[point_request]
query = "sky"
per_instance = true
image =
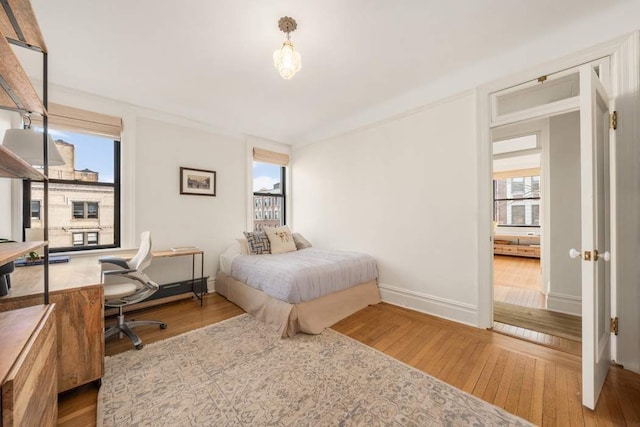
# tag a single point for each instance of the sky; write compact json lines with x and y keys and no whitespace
{"x":92,"y":152}
{"x":265,"y":175}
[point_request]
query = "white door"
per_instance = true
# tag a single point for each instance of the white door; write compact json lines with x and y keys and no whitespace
{"x":594,"y":157}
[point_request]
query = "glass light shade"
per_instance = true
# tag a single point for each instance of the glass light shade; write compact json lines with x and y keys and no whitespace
{"x":287,"y":60}
{"x":27,"y":144}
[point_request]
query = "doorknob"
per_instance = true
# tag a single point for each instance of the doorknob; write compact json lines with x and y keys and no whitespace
{"x":574,"y":254}
{"x":606,"y":256}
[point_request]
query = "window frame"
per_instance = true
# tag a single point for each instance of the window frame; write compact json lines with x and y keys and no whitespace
{"x":282,"y":195}
{"x":85,"y":238}
{"x":85,"y":209}
{"x":516,"y":199}
{"x":39,"y":217}
{"x":116,"y":184}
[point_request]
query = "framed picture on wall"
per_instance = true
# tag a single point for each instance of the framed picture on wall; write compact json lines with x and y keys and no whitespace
{"x":197,"y":182}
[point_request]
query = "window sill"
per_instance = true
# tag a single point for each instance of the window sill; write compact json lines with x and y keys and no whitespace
{"x":92,"y":252}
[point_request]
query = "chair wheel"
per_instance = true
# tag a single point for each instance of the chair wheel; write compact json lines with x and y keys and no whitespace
{"x":163,"y":326}
{"x":139,"y":346}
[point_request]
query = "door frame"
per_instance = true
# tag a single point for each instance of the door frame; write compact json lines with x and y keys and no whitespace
{"x":624,"y":57}
{"x":540,"y":128}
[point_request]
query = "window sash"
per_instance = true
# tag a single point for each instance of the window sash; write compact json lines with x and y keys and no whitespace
{"x":35,"y":209}
{"x":78,"y":210}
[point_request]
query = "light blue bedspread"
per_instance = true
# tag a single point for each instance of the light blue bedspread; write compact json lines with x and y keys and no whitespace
{"x":304,"y":275}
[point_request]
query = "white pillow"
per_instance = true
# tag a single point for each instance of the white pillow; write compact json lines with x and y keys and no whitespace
{"x":244,"y":246}
{"x":280,"y":239}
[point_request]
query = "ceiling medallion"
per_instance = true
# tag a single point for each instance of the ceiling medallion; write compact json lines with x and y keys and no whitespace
{"x":286,"y":59}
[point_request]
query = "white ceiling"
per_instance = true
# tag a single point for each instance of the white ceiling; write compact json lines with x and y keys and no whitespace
{"x":212,"y":60}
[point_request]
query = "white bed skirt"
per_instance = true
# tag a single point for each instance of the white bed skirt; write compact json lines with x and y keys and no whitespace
{"x":310,"y":317}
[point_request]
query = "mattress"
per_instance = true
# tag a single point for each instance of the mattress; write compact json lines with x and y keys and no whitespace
{"x":303,"y":275}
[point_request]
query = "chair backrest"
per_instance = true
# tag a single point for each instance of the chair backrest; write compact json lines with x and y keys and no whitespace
{"x":142,"y":259}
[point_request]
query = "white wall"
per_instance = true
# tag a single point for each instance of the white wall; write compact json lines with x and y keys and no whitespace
{"x":154,"y":146}
{"x":565,"y":286}
{"x":404,"y":191}
{"x":210,"y":223}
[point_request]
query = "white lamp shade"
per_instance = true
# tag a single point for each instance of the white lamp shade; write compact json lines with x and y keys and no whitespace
{"x":286,"y":60}
{"x":27,"y":144}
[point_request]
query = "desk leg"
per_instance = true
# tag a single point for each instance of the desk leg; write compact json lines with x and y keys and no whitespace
{"x":193,"y":277}
{"x":202,"y":285}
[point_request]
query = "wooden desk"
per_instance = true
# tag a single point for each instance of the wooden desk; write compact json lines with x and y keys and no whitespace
{"x":185,"y":252}
{"x":11,"y":251}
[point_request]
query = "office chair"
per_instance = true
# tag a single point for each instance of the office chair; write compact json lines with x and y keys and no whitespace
{"x":5,"y":278}
{"x":125,"y":293}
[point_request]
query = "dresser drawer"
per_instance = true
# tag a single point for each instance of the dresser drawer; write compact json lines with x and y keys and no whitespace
{"x":30,"y":392}
{"x":509,"y":249}
{"x":527,"y":250}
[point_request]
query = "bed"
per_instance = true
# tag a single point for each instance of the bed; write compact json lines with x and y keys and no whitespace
{"x":306,"y":290}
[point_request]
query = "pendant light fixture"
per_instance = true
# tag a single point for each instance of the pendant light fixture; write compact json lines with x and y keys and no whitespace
{"x":28,"y":144}
{"x":286,"y":59}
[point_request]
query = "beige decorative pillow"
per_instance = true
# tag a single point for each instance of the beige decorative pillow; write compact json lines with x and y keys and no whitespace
{"x":280,"y":239}
{"x":301,"y":242}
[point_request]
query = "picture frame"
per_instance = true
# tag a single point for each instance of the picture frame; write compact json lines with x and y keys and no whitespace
{"x":197,"y":182}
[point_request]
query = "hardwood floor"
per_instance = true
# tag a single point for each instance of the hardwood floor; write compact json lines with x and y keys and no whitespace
{"x":518,"y":296}
{"x":517,"y":281}
{"x":539,"y":384}
{"x":516,"y":271}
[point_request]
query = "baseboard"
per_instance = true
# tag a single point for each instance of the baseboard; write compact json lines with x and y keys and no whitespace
{"x":429,"y":304}
{"x":563,"y":303}
{"x":211,"y":284}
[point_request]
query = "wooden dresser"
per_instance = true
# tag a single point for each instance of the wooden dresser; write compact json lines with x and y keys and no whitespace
{"x":28,"y":367}
{"x":524,"y":245}
{"x":80,"y":326}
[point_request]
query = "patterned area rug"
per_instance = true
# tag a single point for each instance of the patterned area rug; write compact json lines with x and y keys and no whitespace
{"x":240,"y":372}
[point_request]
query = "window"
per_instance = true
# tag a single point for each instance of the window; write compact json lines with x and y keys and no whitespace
{"x":92,"y":238}
{"x":518,"y":215}
{"x":516,"y":201}
{"x":89,"y":238}
{"x":268,"y":194}
{"x":78,"y":239}
{"x":535,"y":214}
{"x":84,"y":193}
{"x":517,"y":187}
{"x":35,"y":209}
{"x":85,"y":210}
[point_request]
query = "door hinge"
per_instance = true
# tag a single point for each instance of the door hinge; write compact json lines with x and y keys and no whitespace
{"x":542,"y":79}
{"x":614,"y":325}
{"x":614,"y":120}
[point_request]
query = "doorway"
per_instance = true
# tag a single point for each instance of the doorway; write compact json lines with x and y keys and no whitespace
{"x":596,"y":169}
{"x":536,"y":172}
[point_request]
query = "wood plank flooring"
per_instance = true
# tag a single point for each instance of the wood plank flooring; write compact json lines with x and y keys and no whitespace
{"x":516,"y":271}
{"x":517,"y":281}
{"x":539,"y":384}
